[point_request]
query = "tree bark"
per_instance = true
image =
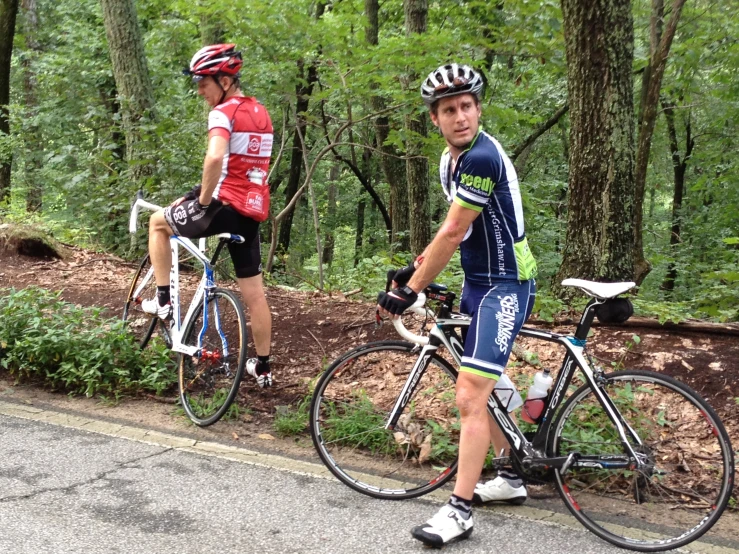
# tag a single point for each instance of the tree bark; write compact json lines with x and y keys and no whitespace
{"x":599,"y":45}
{"x":679,"y":166}
{"x":303,"y":91}
{"x":133,"y":83}
{"x":329,"y":240}
{"x":651,"y":85}
{"x":8,"y":13}
{"x":393,"y":167}
{"x":417,"y":165}
{"x":34,"y":143}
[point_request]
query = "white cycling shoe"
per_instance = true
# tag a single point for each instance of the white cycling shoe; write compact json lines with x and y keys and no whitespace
{"x":499,"y":490}
{"x":446,"y":526}
{"x":263,"y":380}
{"x":153,"y":308}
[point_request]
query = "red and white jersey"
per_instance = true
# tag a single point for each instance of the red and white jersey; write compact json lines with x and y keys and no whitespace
{"x":247,"y":125}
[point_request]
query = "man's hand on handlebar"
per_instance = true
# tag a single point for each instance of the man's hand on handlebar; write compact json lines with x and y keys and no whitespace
{"x":396,"y":301}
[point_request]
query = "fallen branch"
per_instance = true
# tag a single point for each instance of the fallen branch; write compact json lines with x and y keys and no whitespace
{"x":319,"y":342}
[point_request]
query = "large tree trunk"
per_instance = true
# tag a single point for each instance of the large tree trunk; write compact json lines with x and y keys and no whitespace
{"x":393,"y":167}
{"x":417,"y":165}
{"x":34,"y":151}
{"x":599,"y":42}
{"x":651,"y":84}
{"x":8,"y":12}
{"x":133,"y":83}
{"x":679,"y":167}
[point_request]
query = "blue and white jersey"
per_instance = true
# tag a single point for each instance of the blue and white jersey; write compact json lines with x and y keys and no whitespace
{"x":484,"y":180}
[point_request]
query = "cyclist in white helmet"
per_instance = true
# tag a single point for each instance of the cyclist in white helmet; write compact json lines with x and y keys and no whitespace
{"x":485,"y":220}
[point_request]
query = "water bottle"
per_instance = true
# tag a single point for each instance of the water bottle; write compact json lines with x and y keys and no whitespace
{"x":507,"y":392}
{"x":535,"y":399}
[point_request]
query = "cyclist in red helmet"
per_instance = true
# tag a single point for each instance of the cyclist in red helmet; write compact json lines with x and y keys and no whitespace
{"x":233,"y":196}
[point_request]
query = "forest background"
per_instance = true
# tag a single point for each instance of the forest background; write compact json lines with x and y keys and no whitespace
{"x":620,"y":117}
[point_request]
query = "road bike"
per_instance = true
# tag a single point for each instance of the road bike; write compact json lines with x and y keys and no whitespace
{"x":638,"y":458}
{"x":211,"y":339}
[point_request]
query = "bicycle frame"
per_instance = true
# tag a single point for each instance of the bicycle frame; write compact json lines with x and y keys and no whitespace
{"x":207,"y":283}
{"x":532,"y":454}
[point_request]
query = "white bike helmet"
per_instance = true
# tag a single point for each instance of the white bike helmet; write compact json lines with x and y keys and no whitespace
{"x":450,"y":80}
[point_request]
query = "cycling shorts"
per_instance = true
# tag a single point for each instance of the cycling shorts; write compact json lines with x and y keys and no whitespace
{"x":186,"y":219}
{"x":498,"y":313}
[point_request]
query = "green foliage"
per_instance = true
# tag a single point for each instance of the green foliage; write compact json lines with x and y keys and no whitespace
{"x":357,"y":424}
{"x":206,"y":405}
{"x":292,"y":421}
{"x":74,"y":349}
{"x":69,"y":134}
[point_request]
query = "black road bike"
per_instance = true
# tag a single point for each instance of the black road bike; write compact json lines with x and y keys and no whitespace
{"x":638,"y":458}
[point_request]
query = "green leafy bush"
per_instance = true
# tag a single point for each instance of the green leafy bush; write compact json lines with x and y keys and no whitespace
{"x":76,"y":349}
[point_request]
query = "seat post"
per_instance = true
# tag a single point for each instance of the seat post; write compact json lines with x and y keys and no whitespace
{"x":586,"y":320}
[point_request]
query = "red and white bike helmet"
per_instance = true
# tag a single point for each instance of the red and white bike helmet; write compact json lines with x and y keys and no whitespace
{"x":215,"y":59}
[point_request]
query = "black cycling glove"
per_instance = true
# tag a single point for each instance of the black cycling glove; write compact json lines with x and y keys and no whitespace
{"x":193,"y":193}
{"x":404,"y":274}
{"x":397,"y":300}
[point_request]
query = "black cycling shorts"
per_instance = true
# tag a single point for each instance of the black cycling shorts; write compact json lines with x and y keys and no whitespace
{"x":188,"y":220}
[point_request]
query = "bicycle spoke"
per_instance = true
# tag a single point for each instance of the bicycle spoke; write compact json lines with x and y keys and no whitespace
{"x":681,"y":485}
{"x":209,"y":382}
{"x":352,"y":404}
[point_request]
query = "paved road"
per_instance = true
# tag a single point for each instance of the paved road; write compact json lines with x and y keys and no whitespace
{"x":69,"y":484}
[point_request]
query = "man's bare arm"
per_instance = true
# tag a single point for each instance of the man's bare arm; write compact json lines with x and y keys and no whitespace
{"x":212,"y":167}
{"x":437,"y":255}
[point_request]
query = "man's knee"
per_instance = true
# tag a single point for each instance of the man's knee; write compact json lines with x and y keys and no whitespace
{"x":158,"y":223}
{"x":472,"y":394}
{"x":252,"y":289}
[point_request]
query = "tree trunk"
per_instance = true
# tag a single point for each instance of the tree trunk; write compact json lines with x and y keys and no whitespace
{"x":303,"y":91}
{"x":679,"y":167}
{"x":417,"y":165}
{"x":328,"y":241}
{"x":133,"y":83}
{"x":392,"y":166}
{"x":8,"y":12}
{"x":599,"y":45}
{"x":651,"y":84}
{"x":34,"y":151}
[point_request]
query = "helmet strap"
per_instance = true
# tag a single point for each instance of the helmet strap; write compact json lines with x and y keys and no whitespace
{"x":224,"y":91}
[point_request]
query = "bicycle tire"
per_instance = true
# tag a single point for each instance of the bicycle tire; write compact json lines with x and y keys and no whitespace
{"x":209,"y":384}
{"x":140,"y":324}
{"x":352,"y":401}
{"x":685,"y":443}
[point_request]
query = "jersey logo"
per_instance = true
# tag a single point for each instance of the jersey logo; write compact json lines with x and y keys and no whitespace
{"x":255,"y":144}
{"x":484,"y":185}
{"x":254,"y":201}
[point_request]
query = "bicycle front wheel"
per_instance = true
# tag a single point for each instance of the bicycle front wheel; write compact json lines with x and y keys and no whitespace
{"x":209,"y":381}
{"x":349,"y":418}
{"x":140,"y":324}
{"x":684,"y":482}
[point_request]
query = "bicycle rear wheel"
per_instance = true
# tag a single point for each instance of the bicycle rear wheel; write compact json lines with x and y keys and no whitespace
{"x":350,"y":408}
{"x":141,"y":325}
{"x":210,"y":381}
{"x":685,"y":482}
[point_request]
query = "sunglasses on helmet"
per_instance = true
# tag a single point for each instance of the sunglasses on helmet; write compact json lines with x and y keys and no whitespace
{"x":457,"y":82}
